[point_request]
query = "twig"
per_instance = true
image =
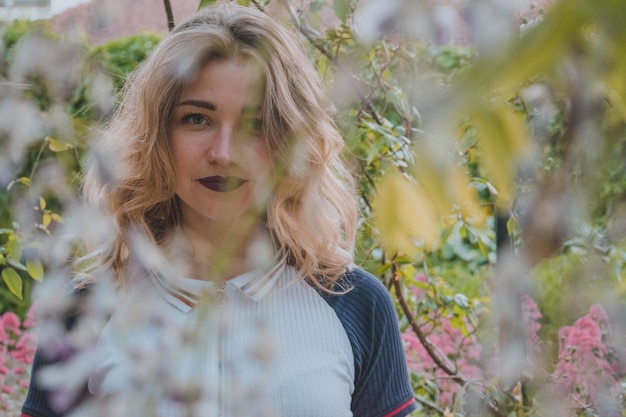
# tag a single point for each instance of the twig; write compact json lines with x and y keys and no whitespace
{"x":258,"y":6}
{"x":429,"y":404}
{"x":306,"y":32}
{"x":170,"y":15}
{"x":442,"y":363}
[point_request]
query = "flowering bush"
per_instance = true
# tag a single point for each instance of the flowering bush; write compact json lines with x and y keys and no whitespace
{"x":587,"y":368}
{"x":458,"y":345}
{"x":17,"y":349}
{"x":588,"y":374}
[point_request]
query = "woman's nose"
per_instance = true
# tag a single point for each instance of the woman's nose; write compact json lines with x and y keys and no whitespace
{"x":221,"y":147}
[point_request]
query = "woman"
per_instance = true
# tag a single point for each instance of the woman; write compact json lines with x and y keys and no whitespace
{"x":231,"y":170}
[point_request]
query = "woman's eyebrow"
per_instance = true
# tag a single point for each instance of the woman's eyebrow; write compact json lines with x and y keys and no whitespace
{"x":198,"y":103}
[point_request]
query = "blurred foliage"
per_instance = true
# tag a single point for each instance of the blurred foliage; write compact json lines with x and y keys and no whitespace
{"x":515,"y":145}
{"x":19,"y":243}
{"x":121,"y":56}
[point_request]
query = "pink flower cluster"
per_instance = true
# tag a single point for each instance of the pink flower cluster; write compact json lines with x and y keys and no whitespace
{"x":588,"y":371}
{"x":587,"y":366}
{"x":463,"y":351}
{"x":17,"y":349}
{"x":531,"y":318}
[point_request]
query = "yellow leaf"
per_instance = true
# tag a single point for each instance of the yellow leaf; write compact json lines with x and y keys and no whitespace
{"x":405,"y":215}
{"x":616,"y":85}
{"x":22,"y":180}
{"x":46,"y":219}
{"x":465,"y":196}
{"x":517,"y":393}
{"x":56,"y":217}
{"x":13,"y":281}
{"x":430,"y":170}
{"x":538,"y":50}
{"x":447,"y":184}
{"x":502,"y":140}
{"x":42,"y":203}
{"x":35,"y":269}
{"x":57,"y":145}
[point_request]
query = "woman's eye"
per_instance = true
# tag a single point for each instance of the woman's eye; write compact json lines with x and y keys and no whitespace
{"x":194,"y":119}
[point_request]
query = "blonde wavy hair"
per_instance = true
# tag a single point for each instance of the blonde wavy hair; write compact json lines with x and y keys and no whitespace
{"x":312,"y":213}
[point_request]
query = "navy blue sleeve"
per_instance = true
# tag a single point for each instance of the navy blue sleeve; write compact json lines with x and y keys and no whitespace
{"x":38,"y":399}
{"x":36,"y":404}
{"x":381,"y":381}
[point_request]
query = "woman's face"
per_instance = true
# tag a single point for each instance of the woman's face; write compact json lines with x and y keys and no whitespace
{"x":221,"y":161}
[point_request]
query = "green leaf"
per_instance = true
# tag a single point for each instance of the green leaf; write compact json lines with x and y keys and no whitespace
{"x":14,"y":249}
{"x":16,"y":265}
{"x":458,"y":323}
{"x":12,"y":279}
{"x":205,"y":3}
{"x":342,"y":9}
{"x":383,"y":268}
{"x":511,"y":226}
{"x":375,"y":150}
{"x":461,"y":301}
{"x":315,"y":6}
{"x":35,"y":269}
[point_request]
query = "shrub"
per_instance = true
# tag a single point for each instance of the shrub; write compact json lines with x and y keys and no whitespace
{"x":17,"y":348}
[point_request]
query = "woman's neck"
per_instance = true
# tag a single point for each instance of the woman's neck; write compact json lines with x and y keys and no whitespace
{"x":218,"y":251}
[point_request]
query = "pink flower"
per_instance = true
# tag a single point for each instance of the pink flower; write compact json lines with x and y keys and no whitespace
{"x":7,"y":389}
{"x":11,"y":323}
{"x":29,"y":321}
{"x":462,"y":350}
{"x":586,"y":366}
{"x":531,"y":318}
{"x":17,"y":349}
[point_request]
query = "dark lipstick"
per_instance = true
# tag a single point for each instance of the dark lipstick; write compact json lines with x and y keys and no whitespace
{"x":222,"y":184}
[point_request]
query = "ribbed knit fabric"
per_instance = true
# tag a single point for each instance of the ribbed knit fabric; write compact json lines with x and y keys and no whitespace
{"x":369,"y":319}
{"x":37,"y":399}
{"x":287,"y":352}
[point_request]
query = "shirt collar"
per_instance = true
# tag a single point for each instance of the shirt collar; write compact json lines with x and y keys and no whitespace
{"x":184,"y":293}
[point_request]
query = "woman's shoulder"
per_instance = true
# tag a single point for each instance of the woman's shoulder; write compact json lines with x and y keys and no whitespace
{"x":357,"y":283}
{"x":358,"y":293}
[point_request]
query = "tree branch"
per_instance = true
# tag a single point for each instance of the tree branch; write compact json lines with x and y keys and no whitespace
{"x":170,"y":15}
{"x":306,"y":32}
{"x":442,"y":363}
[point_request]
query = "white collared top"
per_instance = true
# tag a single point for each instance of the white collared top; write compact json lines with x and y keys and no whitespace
{"x":267,"y":344}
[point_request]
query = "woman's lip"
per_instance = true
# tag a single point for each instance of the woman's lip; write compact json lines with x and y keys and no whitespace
{"x":222,"y":184}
